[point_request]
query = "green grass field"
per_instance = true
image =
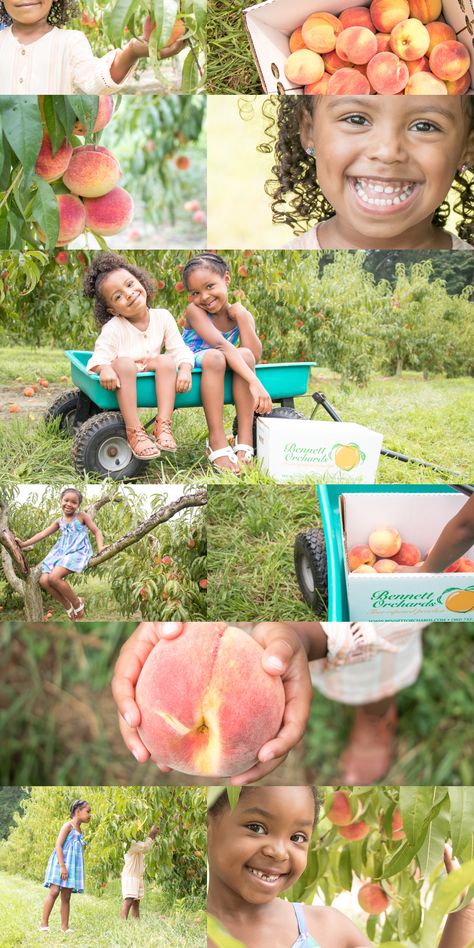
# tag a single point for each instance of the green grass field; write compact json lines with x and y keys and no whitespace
{"x":95,"y":921}
{"x":230,"y":67}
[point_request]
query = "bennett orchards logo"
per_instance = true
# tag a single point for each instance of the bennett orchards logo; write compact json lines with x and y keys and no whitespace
{"x":346,"y":456}
{"x":453,"y":599}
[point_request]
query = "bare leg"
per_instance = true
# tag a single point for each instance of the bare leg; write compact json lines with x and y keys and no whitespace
{"x":65,"y":906}
{"x":212,"y":397}
{"x":165,"y":382}
{"x":127,"y":393}
{"x":48,"y":904}
{"x":244,"y":404}
{"x":59,"y":584}
{"x":52,"y":591}
{"x":135,"y":910}
{"x":126,"y":905}
{"x":368,"y":754}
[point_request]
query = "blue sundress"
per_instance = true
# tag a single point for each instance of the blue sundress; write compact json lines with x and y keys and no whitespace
{"x":198,"y":346}
{"x":74,"y":861}
{"x":73,"y":550}
{"x":305,"y":938}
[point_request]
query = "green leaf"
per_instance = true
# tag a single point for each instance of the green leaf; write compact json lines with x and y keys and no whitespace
{"x":444,"y":900}
{"x":116,"y":19}
{"x":45,"y":212}
{"x":190,"y":74}
{"x":85,"y":107}
{"x":462,"y":821}
{"x":23,"y":129}
{"x":165,"y":14}
{"x":431,"y":853}
{"x":7,"y":159}
{"x":220,"y":936}
{"x":345,"y":869}
{"x":233,"y":794}
{"x":415,"y":805}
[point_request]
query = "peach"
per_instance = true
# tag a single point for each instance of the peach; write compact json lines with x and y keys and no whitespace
{"x":364,"y":569}
{"x":397,"y":825}
{"x":357,"y":16}
{"x":177,"y":32}
{"x":387,"y":13}
{"x":459,"y":86}
{"x":385,"y":541}
{"x":49,"y":166}
{"x":92,"y":172}
{"x":387,"y":74}
{"x":109,"y":214}
{"x":360,"y":556}
{"x":304,"y":66}
{"x":357,"y":44}
{"x":207,"y":706}
{"x":355,"y":831}
{"x":425,"y":10}
{"x":408,"y":555}
{"x":385,"y":566}
{"x":424,"y":83}
{"x":439,"y":33}
{"x":340,"y":812}
{"x":418,"y":65}
{"x":383,"y":42}
{"x":463,"y":565}
{"x":296,"y":40}
{"x":409,"y":39}
{"x":318,"y":88}
{"x":332,"y":62}
{"x":373,"y":899}
{"x":320,"y":31}
{"x":104,"y":114}
{"x":72,"y":219}
{"x":348,"y":82}
{"x":449,"y":60}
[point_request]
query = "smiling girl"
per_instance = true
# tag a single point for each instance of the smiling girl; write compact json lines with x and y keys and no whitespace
{"x":374,"y":172}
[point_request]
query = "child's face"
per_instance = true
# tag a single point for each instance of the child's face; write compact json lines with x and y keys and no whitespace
{"x":208,"y":289}
{"x":123,"y":294}
{"x":70,"y":502}
{"x":385,"y":163}
{"x":260,"y":849}
{"x":84,"y":814}
{"x":27,"y":12}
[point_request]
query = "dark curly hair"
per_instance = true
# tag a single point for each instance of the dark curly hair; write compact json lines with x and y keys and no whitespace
{"x":211,"y":261}
{"x":222,"y":801}
{"x":297,"y":199}
{"x":104,"y":263}
{"x":60,"y":13}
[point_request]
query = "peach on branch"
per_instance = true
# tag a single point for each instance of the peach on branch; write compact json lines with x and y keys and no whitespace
{"x":409,"y":39}
{"x":408,"y":555}
{"x":387,"y":74}
{"x":425,"y":10}
{"x":357,"y":16}
{"x":386,"y":14}
{"x":356,"y":44}
{"x":449,"y":60}
{"x":207,"y":705}
{"x":72,"y":219}
{"x":304,"y":66}
{"x":109,"y":214}
{"x":397,"y":825}
{"x":49,"y":166}
{"x":104,"y":114}
{"x":320,"y":31}
{"x":348,"y":82}
{"x":355,"y":831}
{"x":360,"y":556}
{"x":92,"y":172}
{"x":340,"y":812}
{"x":424,"y":83}
{"x":385,"y":541}
{"x":373,"y":899}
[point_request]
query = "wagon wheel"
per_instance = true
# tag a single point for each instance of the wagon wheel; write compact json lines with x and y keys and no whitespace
{"x":101,"y":445}
{"x":64,"y":407}
{"x":9,"y":542}
{"x":279,"y":412}
{"x":311,"y":567}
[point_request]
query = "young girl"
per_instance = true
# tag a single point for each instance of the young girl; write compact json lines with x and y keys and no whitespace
{"x":39,"y":58}
{"x":133,"y":872}
{"x":71,"y":553}
{"x":65,"y":869}
{"x":259,"y":850}
{"x":373,"y":172}
{"x":131,"y":341}
{"x":214,"y":328}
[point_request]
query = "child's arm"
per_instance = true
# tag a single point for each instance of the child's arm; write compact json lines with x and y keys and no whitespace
{"x":456,"y":537}
{"x":459,"y":928}
{"x":137,"y":49}
{"x":63,"y":834}
{"x":246,"y":324}
{"x":89,"y":523}
{"x":38,"y":536}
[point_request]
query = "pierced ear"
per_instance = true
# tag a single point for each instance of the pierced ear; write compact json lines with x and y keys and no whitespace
{"x":306,"y":132}
{"x":467,"y":157}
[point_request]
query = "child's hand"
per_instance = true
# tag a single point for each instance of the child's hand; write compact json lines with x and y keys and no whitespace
{"x":21,"y":543}
{"x":262,"y":401}
{"x":284,"y":655}
{"x":138,"y":46}
{"x":130,"y":662}
{"x":184,"y":378}
{"x":109,"y":378}
{"x":63,"y":873}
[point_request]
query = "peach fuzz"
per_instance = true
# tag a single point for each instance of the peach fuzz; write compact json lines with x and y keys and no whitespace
{"x":332,"y":62}
{"x":207,"y":706}
{"x":408,"y":555}
{"x":387,"y":13}
{"x":110,"y":213}
{"x":296,"y":40}
{"x":424,"y":83}
{"x":348,"y":82}
{"x":360,"y":556}
{"x":426,"y":10}
{"x":104,"y":114}
{"x":304,"y":66}
{"x":49,"y":166}
{"x":459,"y":86}
{"x":356,"y":45}
{"x":439,"y":33}
{"x":320,"y":31}
{"x":318,"y":88}
{"x":92,"y":171}
{"x":385,"y":541}
{"x":387,"y":74}
{"x":418,"y":65}
{"x":449,"y":60}
{"x":357,"y":16}
{"x":409,"y":39}
{"x":340,"y":812}
{"x":355,"y":831}
{"x":383,"y":42}
{"x":385,"y":566}
{"x":373,"y":899}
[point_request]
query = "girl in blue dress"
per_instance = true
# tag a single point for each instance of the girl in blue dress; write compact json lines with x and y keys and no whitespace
{"x":213,"y":330}
{"x":65,"y":869}
{"x":71,"y":553}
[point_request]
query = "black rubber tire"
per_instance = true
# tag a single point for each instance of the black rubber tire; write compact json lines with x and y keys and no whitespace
{"x":311,"y":567}
{"x":64,"y":407}
{"x":97,"y":436}
{"x":279,"y":411}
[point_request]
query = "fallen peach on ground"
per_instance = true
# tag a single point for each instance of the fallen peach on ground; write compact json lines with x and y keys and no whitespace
{"x":207,"y":704}
{"x":304,"y":66}
{"x":385,"y":541}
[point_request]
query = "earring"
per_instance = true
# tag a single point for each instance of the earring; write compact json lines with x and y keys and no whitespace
{"x":463,"y":168}
{"x":310,"y":151}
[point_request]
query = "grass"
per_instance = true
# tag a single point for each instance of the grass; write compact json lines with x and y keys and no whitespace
{"x":231,"y":67}
{"x":96,"y":921}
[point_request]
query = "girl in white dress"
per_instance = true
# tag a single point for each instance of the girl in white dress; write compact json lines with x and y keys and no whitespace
{"x":133,"y":872}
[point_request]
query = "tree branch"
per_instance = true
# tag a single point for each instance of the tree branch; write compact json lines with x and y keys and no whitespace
{"x":15,"y":582}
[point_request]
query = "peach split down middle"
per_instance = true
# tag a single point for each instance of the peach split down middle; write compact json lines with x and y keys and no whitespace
{"x":207,"y":705}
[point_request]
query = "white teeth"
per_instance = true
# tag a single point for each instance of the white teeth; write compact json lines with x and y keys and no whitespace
{"x":263,"y":875}
{"x":402,"y":193}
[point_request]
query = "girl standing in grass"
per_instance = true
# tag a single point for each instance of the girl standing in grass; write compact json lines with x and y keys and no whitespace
{"x":65,"y":869}
{"x":133,"y":873}
{"x":213,"y":331}
{"x":71,"y":553}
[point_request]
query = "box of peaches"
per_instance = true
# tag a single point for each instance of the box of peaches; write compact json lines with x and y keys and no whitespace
{"x":383,"y":47}
{"x":382,"y":531}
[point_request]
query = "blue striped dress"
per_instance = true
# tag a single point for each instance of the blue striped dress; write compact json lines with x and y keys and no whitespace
{"x":305,"y":938}
{"x":199,"y":347}
{"x":74,"y":861}
{"x":73,"y":550}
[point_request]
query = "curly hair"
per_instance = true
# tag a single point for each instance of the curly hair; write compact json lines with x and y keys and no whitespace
{"x":107,"y":262}
{"x":297,"y":199}
{"x":59,"y":15}
{"x":210,"y":261}
{"x":222,"y":801}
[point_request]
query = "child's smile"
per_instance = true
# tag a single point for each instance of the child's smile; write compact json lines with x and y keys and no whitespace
{"x":208,"y":290}
{"x":124,"y":295}
{"x":28,"y":13}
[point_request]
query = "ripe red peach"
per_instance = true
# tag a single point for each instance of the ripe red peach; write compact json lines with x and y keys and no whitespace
{"x":373,"y":899}
{"x":348,"y":82}
{"x":332,"y":62}
{"x":385,"y":541}
{"x":72,"y":219}
{"x":409,"y":39}
{"x":439,"y":33}
{"x":357,"y":16}
{"x":92,"y":172}
{"x":385,"y":566}
{"x":418,"y":65}
{"x":425,"y":10}
{"x":383,"y":42}
{"x":304,"y":66}
{"x":357,"y":44}
{"x":49,"y":166}
{"x":104,"y":114}
{"x":424,"y":83}
{"x":408,"y":555}
{"x":296,"y":40}
{"x":463,"y":565}
{"x":110,"y":213}
{"x":355,"y":831}
{"x":207,"y":705}
{"x":340,"y":812}
{"x":387,"y":74}
{"x":364,"y":569}
{"x":360,"y":556}
{"x":449,"y":60}
{"x":387,"y":13}
{"x":397,"y":825}
{"x":318,"y":88}
{"x":459,"y":86}
{"x":320,"y":31}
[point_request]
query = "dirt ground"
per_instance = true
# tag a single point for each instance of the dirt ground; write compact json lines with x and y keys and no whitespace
{"x":31,"y":407}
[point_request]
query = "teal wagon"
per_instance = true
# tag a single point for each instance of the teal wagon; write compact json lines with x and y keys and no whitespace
{"x":91,"y":412}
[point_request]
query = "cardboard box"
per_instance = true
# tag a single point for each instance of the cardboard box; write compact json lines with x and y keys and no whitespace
{"x":270,"y":24}
{"x":294,"y":449}
{"x":420,"y":597}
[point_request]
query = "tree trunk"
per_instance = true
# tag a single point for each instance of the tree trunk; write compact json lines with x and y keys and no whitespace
{"x":399,"y":369}
{"x":33,"y":599}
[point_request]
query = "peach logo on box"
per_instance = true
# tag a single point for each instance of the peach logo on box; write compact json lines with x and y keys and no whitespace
{"x":346,"y":456}
{"x":453,"y":599}
{"x":458,"y":600}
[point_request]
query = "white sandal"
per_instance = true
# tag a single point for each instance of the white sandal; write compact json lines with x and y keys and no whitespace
{"x":247,"y":451}
{"x":213,"y":456}
{"x":79,"y":612}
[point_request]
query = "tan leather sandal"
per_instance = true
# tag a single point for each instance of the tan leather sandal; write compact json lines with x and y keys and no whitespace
{"x":140,"y":444}
{"x":163,"y":434}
